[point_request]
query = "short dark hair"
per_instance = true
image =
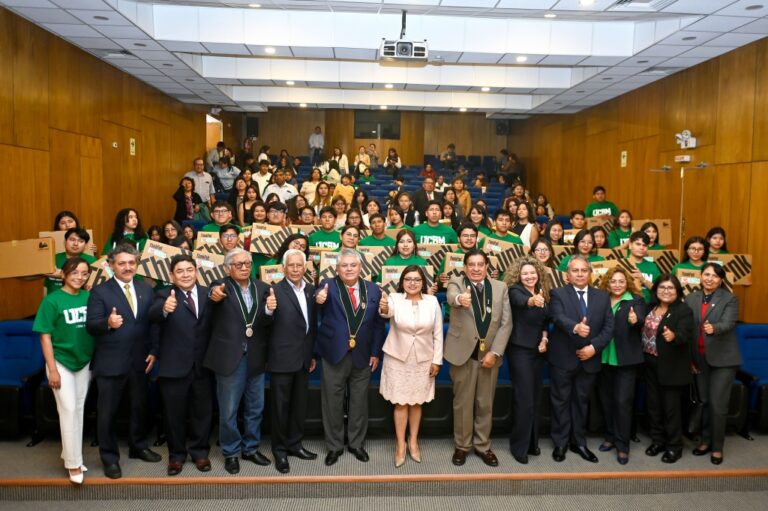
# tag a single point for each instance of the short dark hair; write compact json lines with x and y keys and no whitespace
{"x":122,"y":248}
{"x":181,"y":258}
{"x":718,"y":269}
{"x":222,"y":204}
{"x":598,"y":188}
{"x":640,"y":235}
{"x":580,"y":236}
{"x":467,"y":225}
{"x":228,"y":227}
{"x":408,"y":269}
{"x":80,"y":233}
{"x":712,"y":232}
{"x":376,"y":216}
{"x":62,"y":214}
{"x":691,"y":241}
{"x":666,"y":277}
{"x":71,"y":264}
{"x":578,"y":212}
{"x":434,"y":202}
{"x":502,"y":212}
{"x":328,"y":209}
{"x":474,"y":252}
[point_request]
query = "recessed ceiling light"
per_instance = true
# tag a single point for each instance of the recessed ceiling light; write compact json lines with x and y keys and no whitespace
{"x":388,"y":86}
{"x":753,"y":7}
{"x":189,"y":79}
{"x":521,"y":58}
{"x":269,"y":50}
{"x":462,"y":109}
{"x":101,"y":18}
{"x":303,"y":105}
{"x":607,"y":78}
{"x":140,"y":45}
{"x":383,"y":107}
{"x":579,"y":92}
{"x":689,"y":38}
{"x":550,"y":15}
{"x":168,"y":65}
{"x":254,"y":6}
{"x":485,"y":89}
{"x":290,"y":82}
{"x":642,"y":61}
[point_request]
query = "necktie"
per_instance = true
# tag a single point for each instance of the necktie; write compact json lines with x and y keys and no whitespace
{"x":129,"y":297}
{"x":352,"y":297}
{"x":479,"y":287}
{"x":191,"y":303}
{"x":583,"y":304}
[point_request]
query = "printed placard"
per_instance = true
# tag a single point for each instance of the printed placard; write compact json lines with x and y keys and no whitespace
{"x":390,"y":277}
{"x":604,"y":222}
{"x":454,"y":264}
{"x":505,"y":252}
{"x":740,"y":265}
{"x":210,"y":267}
{"x":58,"y":240}
{"x":206,"y":238}
{"x":376,"y":256}
{"x":100,"y":273}
{"x":664,"y":225}
{"x":306,"y":229}
{"x":559,"y":278}
{"x":267,"y":239}
{"x":569,"y":235}
{"x":155,"y":263}
{"x":600,"y":268}
{"x":664,"y":259}
{"x":560,"y":252}
{"x":273,"y":273}
{"x":434,"y":254}
{"x":392,"y":233}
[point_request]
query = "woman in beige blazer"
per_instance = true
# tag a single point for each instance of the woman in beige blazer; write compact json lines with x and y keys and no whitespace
{"x":413,"y":353}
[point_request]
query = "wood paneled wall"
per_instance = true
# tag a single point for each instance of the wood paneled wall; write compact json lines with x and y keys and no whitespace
{"x":472,"y":134}
{"x":724,"y":102}
{"x":61,"y":113}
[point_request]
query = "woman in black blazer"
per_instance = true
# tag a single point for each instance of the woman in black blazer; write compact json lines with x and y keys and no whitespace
{"x":716,"y":355}
{"x":621,"y":358}
{"x":529,"y":297}
{"x":667,"y":332}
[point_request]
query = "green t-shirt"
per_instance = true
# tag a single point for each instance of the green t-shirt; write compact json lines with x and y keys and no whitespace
{"x":397,"y":260}
{"x":618,"y":237}
{"x":564,"y":262}
{"x":52,"y":284}
{"x":372,"y":241}
{"x":128,"y":236}
{"x":214,"y":227}
{"x":484,"y":230}
{"x":366,"y":179}
{"x":510,"y":237}
{"x":600,"y":209}
{"x":325,"y":239}
{"x":62,"y":315}
{"x":651,"y":272}
{"x":656,"y":247}
{"x":257,"y":261}
{"x":609,"y":355}
{"x":437,"y":235}
{"x":685,"y":266}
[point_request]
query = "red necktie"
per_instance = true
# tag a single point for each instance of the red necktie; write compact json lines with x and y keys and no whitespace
{"x":191,"y":302}
{"x":352,"y":297}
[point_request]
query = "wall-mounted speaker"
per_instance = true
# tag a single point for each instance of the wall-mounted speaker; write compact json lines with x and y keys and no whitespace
{"x":502,"y":128}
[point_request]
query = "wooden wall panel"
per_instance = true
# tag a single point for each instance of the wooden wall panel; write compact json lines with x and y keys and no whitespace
{"x":702,"y":97}
{"x":639,"y":113}
{"x":7,"y":47}
{"x":65,"y":171}
{"x":91,"y":100}
{"x":735,"y":105}
{"x":472,"y":133}
{"x":64,"y":94}
{"x":753,"y":304}
{"x":284,"y":128}
{"x":760,"y":134}
{"x":30,"y":87}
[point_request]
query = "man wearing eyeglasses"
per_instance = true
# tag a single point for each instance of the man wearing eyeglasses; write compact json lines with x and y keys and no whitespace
{"x":237,"y":354}
{"x":221,"y":214}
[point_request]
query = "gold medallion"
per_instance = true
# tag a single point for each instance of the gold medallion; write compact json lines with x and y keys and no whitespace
{"x":249,"y":332}
{"x":352,"y":342}
{"x":482,"y":344}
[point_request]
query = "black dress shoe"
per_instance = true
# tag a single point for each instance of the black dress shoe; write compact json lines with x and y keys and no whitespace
{"x":145,"y":455}
{"x":606,"y":446}
{"x":281,"y":464}
{"x":232,"y":465}
{"x":654,"y":449}
{"x":113,"y":471}
{"x":257,"y":458}
{"x":585,"y":453}
{"x":716,"y":461}
{"x":700,"y":452}
{"x":534,"y":451}
{"x":360,"y":453}
{"x":558,"y":454}
{"x":623,"y":460}
{"x":174,"y":468}
{"x":523,"y":460}
{"x":332,"y":457}
{"x":303,"y":454}
{"x":671,"y":456}
{"x":459,"y":457}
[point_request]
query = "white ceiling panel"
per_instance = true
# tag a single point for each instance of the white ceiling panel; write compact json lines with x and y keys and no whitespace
{"x":312,"y":52}
{"x":697,"y":6}
{"x":707,"y":51}
{"x":664,"y":50}
{"x":94,"y":17}
{"x":122,"y":32}
{"x":719,"y":23}
{"x":39,"y":15}
{"x":748,"y":8}
{"x":71,"y":30}
{"x":734,"y":39}
{"x":756,"y":27}
{"x":187,"y":47}
{"x":227,"y":48}
{"x":28,"y":3}
{"x":95,"y":43}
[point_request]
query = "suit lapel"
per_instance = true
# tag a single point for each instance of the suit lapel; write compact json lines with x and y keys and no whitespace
{"x":711,"y":307}
{"x":696,"y":300}
{"x":292,"y":297}
{"x":117,"y":287}
{"x":575,"y":301}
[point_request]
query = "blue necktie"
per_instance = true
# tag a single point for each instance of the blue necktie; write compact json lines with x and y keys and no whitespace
{"x":583,"y":304}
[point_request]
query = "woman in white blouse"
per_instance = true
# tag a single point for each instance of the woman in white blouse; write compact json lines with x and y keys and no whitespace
{"x":309,"y":186}
{"x":413,"y":354}
{"x":342,"y":159}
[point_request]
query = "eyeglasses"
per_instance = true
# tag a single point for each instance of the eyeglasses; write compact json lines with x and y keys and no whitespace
{"x":468,"y":236}
{"x":667,"y":288}
{"x":412,"y":280}
{"x":541,"y":251}
{"x":220,"y":211}
{"x":240,"y":266}
{"x":228,"y":236}
{"x":696,"y":249}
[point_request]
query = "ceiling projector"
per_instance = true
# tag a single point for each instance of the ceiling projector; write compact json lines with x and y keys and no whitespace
{"x":401,"y":49}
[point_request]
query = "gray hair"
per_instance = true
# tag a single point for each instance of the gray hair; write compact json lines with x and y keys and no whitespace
{"x":293,"y":251}
{"x":579,"y":257}
{"x":231,"y":255}
{"x":122,"y":248}
{"x":350,"y":252}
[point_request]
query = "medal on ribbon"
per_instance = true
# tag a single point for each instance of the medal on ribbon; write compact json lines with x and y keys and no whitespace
{"x":354,"y":317}
{"x":249,"y":316}
{"x":481,"y":310}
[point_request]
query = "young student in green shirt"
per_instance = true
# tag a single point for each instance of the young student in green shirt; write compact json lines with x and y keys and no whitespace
{"x":715,"y":239}
{"x":366,"y":177}
{"x":405,"y":251}
{"x":584,"y":245}
{"x":646,"y":272}
{"x":695,"y":255}
{"x":578,"y":219}
{"x":432,"y":232}
{"x":377,"y":238}
{"x":67,"y":350}
{"x":221,"y":214}
{"x":75,"y":242}
{"x":327,"y":236}
{"x":503,"y":222}
{"x":619,"y":237}
{"x":127,"y":227}
{"x":600,"y":207}
{"x":652,"y":230}
{"x":468,"y":234}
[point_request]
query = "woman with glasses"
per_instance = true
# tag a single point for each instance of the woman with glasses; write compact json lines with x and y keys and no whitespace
{"x":584,"y":244}
{"x":413,"y":353}
{"x":695,"y":254}
{"x":667,"y":333}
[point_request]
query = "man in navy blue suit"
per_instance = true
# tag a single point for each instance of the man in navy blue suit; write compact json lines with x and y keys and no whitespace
{"x":349,"y":342}
{"x":118,"y":319}
{"x":584,"y":326}
{"x":183,"y":315}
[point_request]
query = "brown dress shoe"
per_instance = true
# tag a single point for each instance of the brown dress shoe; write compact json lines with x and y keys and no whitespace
{"x":203,"y":464}
{"x":174,"y":468}
{"x":459,"y":457}
{"x":488,"y":458}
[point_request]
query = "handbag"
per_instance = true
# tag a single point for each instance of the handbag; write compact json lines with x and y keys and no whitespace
{"x":696,"y":409}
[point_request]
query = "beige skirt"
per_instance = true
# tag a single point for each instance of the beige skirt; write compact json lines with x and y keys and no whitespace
{"x":406,"y":383}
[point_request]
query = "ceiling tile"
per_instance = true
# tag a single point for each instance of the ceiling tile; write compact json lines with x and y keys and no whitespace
{"x":310,"y":52}
{"x":511,"y":58}
{"x":740,"y":9}
{"x":95,"y":43}
{"x":662,"y":50}
{"x":683,"y":62}
{"x":122,"y":32}
{"x":40,"y":15}
{"x":139,"y":44}
{"x":71,"y":30}
{"x":707,"y":51}
{"x":756,"y":27}
{"x":186,"y":47}
{"x":685,"y":37}
{"x":28,"y":3}
{"x":354,"y":53}
{"x":227,"y":48}
{"x":562,"y":60}
{"x":97,"y":5}
{"x":696,"y":6}
{"x":92,"y":17}
{"x":719,"y":23}
{"x":734,"y":39}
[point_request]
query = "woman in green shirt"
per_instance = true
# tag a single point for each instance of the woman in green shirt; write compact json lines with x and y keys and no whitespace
{"x":67,"y":348}
{"x":652,"y":230}
{"x":405,"y":254}
{"x":619,"y":237}
{"x":696,"y":253}
{"x":621,"y":358}
{"x":716,"y":241}
{"x":127,"y":228}
{"x":479,"y":217}
{"x":585,"y":246}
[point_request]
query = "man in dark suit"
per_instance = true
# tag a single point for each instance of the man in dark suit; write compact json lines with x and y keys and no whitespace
{"x":584,"y":325}
{"x":290,"y":358}
{"x":118,"y":319}
{"x":349,"y":341}
{"x":183,"y":315}
{"x":422,"y":197}
{"x":237,"y":353}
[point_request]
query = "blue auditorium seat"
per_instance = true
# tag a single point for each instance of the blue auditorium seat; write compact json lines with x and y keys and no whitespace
{"x":196,"y":224}
{"x":21,"y":358}
{"x":753,"y":342}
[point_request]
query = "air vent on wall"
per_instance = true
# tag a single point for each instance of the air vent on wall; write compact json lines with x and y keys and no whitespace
{"x":640,"y":5}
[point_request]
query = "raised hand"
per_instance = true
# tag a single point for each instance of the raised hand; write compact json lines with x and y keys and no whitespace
{"x":538,"y":299}
{"x":322,"y":295}
{"x":708,"y":328}
{"x":582,"y":329}
{"x":218,"y":294}
{"x":465,"y":298}
{"x":632,"y":316}
{"x":115,"y":320}
{"x":170,"y":303}
{"x":384,"y":303}
{"x":668,"y":334}
{"x":271,"y":300}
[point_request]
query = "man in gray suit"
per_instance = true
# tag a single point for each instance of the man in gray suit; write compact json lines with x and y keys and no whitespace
{"x":481,"y":322}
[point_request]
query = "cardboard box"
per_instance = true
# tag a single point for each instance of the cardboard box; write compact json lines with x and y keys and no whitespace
{"x":267,"y":239}
{"x":740,"y":265}
{"x":23,"y":258}
{"x":664,"y":225}
{"x":505,"y":252}
{"x":155,"y":263}
{"x":390,"y":277}
{"x":100,"y":273}
{"x":434,"y":254}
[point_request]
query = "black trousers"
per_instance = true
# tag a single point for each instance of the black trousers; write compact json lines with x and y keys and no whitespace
{"x":664,"y":408}
{"x":111,"y":390}
{"x":526,"y":367}
{"x":616,"y":388}
{"x":569,"y":393}
{"x":289,"y":410}
{"x":187,"y":411}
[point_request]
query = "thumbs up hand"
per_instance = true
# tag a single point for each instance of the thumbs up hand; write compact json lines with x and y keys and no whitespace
{"x":668,"y":334}
{"x":632,"y":316}
{"x":465,"y":298}
{"x":217,"y":293}
{"x":170,"y":303}
{"x":538,"y":299}
{"x":384,"y":303}
{"x":271,"y":300}
{"x":708,"y":328}
{"x":322,"y":295}
{"x":115,"y":320}
{"x":582,"y":329}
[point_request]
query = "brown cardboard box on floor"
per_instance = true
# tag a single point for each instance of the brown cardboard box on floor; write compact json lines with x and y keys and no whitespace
{"x":22,"y":258}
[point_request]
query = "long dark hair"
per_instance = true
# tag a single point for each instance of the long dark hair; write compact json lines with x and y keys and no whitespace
{"x":666,"y":277}
{"x":721,"y":232}
{"x":63,"y":214}
{"x":118,"y":233}
{"x":691,"y":241}
{"x":287,"y":243}
{"x":408,"y":269}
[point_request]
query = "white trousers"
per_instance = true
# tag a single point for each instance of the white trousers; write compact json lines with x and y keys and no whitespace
{"x":70,"y":402}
